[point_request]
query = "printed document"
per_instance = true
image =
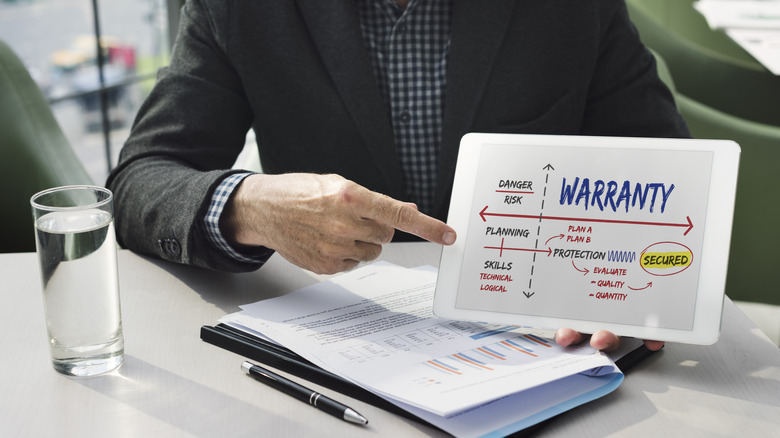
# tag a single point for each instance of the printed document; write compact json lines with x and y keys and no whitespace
{"x":374,"y":326}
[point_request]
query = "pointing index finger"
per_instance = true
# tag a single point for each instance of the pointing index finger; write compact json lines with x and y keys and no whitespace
{"x":405,"y":217}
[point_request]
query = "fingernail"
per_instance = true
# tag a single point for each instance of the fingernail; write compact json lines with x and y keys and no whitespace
{"x":448,"y":238}
{"x":605,"y":345}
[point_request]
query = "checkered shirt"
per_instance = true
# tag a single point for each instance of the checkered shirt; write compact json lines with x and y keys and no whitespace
{"x":408,"y":50}
{"x":217,"y":205}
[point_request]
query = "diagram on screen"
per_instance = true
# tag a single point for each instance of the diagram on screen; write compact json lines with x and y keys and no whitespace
{"x":602,"y":234}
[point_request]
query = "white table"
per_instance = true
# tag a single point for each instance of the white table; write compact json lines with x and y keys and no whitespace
{"x":173,"y":384}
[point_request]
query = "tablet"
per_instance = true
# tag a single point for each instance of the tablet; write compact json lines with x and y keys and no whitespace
{"x":629,"y":235}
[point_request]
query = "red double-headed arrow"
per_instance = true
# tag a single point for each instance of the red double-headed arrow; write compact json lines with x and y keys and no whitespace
{"x":688,"y":226}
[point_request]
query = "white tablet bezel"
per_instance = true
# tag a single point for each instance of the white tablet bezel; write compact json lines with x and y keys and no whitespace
{"x":715,"y":249}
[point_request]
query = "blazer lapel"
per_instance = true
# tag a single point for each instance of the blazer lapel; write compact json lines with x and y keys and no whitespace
{"x":478,"y":30}
{"x":336,"y":33}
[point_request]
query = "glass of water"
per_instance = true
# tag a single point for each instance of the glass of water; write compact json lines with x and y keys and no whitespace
{"x":76,"y":243}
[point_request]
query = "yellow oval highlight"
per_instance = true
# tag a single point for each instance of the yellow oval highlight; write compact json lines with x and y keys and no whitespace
{"x":666,"y":260}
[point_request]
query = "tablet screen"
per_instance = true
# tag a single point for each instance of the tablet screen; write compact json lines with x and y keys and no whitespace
{"x":607,"y":231}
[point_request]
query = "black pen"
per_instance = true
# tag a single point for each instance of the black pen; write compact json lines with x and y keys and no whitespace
{"x":303,"y":394}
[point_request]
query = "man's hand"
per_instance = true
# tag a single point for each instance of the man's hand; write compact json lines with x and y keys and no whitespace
{"x":600,"y":340}
{"x":323,"y":223}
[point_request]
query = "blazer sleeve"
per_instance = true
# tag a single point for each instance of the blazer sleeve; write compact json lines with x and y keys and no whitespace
{"x":193,"y":124}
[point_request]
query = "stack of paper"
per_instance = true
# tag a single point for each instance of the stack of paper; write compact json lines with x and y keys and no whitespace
{"x":374,"y":327}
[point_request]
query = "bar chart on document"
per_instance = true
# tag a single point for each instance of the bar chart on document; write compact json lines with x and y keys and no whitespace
{"x":486,"y":352}
{"x":522,"y":348}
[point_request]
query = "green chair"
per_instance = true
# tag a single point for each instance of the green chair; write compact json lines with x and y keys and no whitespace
{"x":680,"y":17}
{"x":34,"y":153}
{"x":712,"y":75}
{"x":753,"y":273}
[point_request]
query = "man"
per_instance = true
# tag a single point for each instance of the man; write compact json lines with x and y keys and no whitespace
{"x":358,"y":107}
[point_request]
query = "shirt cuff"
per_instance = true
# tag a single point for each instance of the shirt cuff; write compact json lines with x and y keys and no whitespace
{"x":216,"y":207}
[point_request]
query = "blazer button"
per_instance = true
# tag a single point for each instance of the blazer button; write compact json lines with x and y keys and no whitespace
{"x":170,"y":247}
{"x":175,"y":248}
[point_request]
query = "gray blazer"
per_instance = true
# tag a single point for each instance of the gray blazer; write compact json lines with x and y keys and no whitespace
{"x":298,"y":73}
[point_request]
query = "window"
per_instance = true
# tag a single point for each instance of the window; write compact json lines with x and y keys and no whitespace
{"x":94,"y":98}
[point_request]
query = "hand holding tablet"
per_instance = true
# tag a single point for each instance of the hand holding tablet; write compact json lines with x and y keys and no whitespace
{"x":629,"y":235}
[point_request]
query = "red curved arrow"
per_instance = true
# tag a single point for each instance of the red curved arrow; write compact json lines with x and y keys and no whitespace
{"x":688,"y":225}
{"x":560,"y":236}
{"x":581,"y":270}
{"x":642,"y":288}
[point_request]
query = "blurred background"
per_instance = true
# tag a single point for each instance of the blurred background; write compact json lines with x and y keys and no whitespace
{"x":57,"y":42}
{"x":91,"y":63}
